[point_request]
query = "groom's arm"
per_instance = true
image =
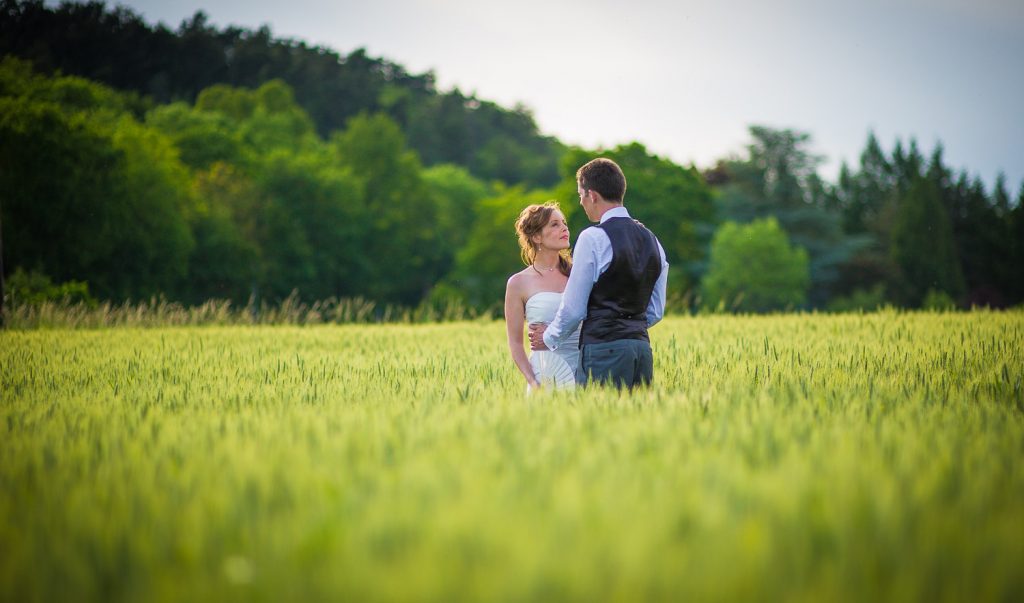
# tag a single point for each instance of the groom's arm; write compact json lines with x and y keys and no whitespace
{"x":656,"y":307}
{"x":573,"y":308}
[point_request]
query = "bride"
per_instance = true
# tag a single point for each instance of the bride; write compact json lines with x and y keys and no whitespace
{"x":533,"y":294}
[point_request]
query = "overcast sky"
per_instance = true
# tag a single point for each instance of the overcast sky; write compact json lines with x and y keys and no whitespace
{"x":686,"y":78}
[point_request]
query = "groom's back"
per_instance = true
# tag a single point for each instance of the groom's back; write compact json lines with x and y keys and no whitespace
{"x":617,"y":308}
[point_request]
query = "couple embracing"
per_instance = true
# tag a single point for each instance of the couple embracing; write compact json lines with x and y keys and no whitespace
{"x":588,"y":313}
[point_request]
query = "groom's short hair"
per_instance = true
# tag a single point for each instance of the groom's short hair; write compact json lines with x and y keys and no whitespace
{"x":603,"y":176}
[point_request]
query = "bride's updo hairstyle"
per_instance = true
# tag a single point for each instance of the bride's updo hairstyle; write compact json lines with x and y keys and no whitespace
{"x":530,"y":222}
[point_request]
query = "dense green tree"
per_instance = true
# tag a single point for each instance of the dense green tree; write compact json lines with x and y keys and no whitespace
{"x":116,"y":215}
{"x":202,"y":137}
{"x":923,"y":246}
{"x":267,"y":208}
{"x":981,"y":233}
{"x":315,"y":231}
{"x":754,"y":268}
{"x":54,"y":225}
{"x":457,"y":194}
{"x":492,"y":142}
{"x":263,"y":180}
{"x":153,"y":235}
{"x":221,"y":264}
{"x":118,"y":48}
{"x":235,"y":103}
{"x":1015,"y":220}
{"x":863,"y":194}
{"x":277,"y":121}
{"x":401,"y":249}
{"x":863,"y":198}
{"x":226,"y":262}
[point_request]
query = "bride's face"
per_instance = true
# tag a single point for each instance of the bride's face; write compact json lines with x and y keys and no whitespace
{"x":555,"y":234}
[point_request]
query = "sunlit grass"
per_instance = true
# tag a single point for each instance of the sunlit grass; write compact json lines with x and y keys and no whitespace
{"x":799,"y":457}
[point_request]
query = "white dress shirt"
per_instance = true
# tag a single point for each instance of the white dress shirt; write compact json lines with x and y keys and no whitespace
{"x":590,"y":258}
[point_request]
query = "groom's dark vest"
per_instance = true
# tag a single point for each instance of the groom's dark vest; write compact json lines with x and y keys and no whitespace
{"x":617,"y":308}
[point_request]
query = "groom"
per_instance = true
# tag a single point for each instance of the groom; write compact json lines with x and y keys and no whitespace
{"x":616,"y":287}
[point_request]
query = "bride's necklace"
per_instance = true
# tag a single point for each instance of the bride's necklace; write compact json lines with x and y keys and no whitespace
{"x":551,"y":269}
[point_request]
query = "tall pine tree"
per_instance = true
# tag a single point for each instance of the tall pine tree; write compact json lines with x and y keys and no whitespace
{"x":922,"y":245}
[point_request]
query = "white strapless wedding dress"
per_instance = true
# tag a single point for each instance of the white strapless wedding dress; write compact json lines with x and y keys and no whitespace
{"x":556,"y":368}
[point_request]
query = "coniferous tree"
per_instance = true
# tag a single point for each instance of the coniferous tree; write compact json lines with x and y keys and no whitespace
{"x":864,"y":197}
{"x":1016,"y":238}
{"x":1005,"y":273}
{"x":875,"y":182}
{"x":922,"y":245}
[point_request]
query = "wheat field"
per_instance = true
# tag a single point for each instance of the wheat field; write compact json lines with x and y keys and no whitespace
{"x":858,"y":457}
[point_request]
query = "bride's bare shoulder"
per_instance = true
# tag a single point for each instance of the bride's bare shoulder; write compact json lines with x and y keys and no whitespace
{"x":520,"y":278}
{"x":519,"y":282}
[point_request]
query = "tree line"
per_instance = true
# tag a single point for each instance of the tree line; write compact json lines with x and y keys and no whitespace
{"x":117,"y":48}
{"x":897,"y":228}
{"x":367,"y":182}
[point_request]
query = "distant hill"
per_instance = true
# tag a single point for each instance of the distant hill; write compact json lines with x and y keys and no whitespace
{"x":116,"y":47}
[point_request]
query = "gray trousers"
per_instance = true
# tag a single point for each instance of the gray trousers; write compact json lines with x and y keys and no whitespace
{"x":625,"y":362}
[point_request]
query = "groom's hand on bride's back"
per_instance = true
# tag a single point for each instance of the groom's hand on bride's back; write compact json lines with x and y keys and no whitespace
{"x":537,"y":336}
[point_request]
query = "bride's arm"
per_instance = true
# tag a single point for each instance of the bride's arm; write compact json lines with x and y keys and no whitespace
{"x":515,"y":317}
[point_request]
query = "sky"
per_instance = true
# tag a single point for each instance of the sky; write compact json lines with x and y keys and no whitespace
{"x":686,"y":78}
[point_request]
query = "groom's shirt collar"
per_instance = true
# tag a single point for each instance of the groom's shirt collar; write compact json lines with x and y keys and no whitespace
{"x":615,"y":212}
